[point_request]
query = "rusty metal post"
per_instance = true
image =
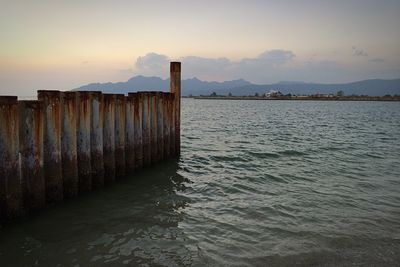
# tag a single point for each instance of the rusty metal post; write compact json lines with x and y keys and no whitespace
{"x":129,"y":134}
{"x":96,"y":139}
{"x":31,"y":149}
{"x":10,"y":183}
{"x":134,"y":112}
{"x":120,"y":135}
{"x":160,"y":125}
{"x":172,"y":128}
{"x":166,"y":125}
{"x":109,"y":137}
{"x":145,"y":96}
{"x":83,"y":141}
{"x":138,"y":139}
{"x":175,"y":88}
{"x":52,"y":104}
{"x":153,"y":127}
{"x":68,"y":144}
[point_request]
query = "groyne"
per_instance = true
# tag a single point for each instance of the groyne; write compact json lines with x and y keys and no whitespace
{"x":68,"y":143}
{"x":303,"y":98}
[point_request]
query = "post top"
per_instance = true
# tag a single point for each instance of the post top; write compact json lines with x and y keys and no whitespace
{"x":120,"y":96}
{"x":48,"y":92}
{"x":108,"y":96}
{"x":85,"y":92}
{"x":95,"y":92}
{"x":69,"y":92}
{"x":175,"y":66}
{"x":8,"y":99}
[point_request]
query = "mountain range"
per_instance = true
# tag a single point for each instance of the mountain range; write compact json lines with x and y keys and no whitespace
{"x":240,"y":87}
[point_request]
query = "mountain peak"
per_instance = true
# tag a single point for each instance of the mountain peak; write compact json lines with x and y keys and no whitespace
{"x":195,"y":86}
{"x":142,"y":78}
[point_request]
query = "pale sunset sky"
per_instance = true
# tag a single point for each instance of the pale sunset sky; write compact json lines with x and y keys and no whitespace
{"x":65,"y":44}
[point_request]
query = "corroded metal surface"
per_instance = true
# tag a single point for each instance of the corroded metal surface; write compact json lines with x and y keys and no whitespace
{"x":52,"y":103}
{"x":153,"y":128}
{"x":109,"y":137}
{"x":172,"y":125}
{"x":129,"y":134}
{"x":146,"y":128}
{"x":10,"y":184}
{"x":138,"y":139}
{"x":175,"y":87}
{"x":120,"y":135}
{"x":68,"y":144}
{"x":166,"y":124}
{"x":72,"y":141}
{"x":31,"y":151}
{"x":83,"y":141}
{"x":96,"y":138}
{"x":160,"y":125}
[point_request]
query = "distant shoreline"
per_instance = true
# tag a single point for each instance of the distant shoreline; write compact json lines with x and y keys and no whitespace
{"x":342,"y":98}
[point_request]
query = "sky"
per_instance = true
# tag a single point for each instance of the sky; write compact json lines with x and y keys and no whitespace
{"x":51,"y":44}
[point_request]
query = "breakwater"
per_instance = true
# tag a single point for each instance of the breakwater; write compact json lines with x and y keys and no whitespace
{"x":305,"y":98}
{"x":67,"y":143}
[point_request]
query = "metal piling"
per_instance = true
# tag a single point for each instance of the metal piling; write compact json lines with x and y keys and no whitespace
{"x":52,"y":103}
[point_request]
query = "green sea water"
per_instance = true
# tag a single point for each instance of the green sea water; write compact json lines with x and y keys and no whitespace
{"x":259,"y":183}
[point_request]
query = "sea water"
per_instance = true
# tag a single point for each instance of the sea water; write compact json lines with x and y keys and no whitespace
{"x":258,"y":183}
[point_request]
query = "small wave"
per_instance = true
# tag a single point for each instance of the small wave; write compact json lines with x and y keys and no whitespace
{"x":264,"y":154}
{"x":228,"y":158}
{"x":275,"y":178}
{"x":375,"y":156}
{"x":292,"y":153}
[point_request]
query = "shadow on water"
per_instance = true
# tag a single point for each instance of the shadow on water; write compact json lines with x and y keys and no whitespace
{"x":133,"y":222}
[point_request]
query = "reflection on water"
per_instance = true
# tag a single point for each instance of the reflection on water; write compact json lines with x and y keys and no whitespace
{"x":132,"y":222}
{"x":259,"y":183}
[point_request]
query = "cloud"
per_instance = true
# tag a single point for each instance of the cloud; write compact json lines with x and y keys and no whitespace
{"x":152,"y":63}
{"x":268,"y":67}
{"x":377,"y":60}
{"x":277,"y":56}
{"x":218,"y":68}
{"x":357,"y":52}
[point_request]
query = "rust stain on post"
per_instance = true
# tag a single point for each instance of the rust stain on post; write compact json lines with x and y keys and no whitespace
{"x":31,"y":149}
{"x":109,"y":137}
{"x":96,"y":138}
{"x":120,"y":128}
{"x":153,"y":127}
{"x":166,"y":125}
{"x":175,"y":87}
{"x":145,"y":96}
{"x":172,"y":140}
{"x":138,"y":143}
{"x":68,"y":144}
{"x":83,"y":141}
{"x":160,"y":125}
{"x":129,"y":134}
{"x":134,"y":112}
{"x":10,"y":183}
{"x":52,"y":104}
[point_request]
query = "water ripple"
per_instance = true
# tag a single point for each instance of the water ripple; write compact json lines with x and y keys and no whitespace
{"x":259,"y":183}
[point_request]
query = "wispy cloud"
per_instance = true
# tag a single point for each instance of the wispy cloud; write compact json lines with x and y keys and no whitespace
{"x":377,"y":60}
{"x":358,"y":52}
